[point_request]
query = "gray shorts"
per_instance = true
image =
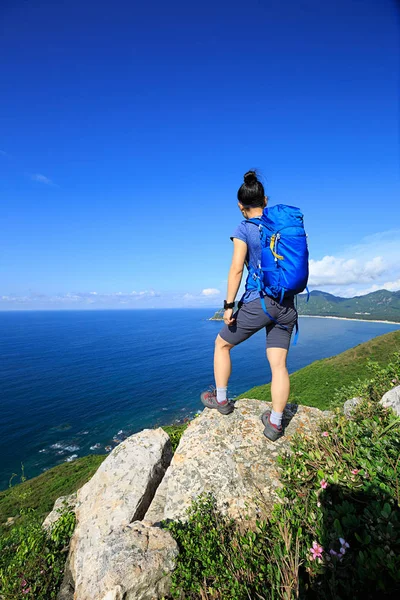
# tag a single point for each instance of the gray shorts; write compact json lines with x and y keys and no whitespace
{"x":250,"y":318}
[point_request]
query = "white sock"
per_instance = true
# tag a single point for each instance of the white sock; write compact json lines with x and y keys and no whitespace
{"x":276,"y":418}
{"x":221,"y":394}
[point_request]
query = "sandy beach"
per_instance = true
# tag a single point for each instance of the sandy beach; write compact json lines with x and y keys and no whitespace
{"x":349,"y":319}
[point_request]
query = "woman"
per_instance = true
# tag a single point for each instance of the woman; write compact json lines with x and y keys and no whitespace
{"x":250,"y":317}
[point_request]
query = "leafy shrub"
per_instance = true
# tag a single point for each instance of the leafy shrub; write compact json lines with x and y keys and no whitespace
{"x":31,"y":559}
{"x":215,"y":559}
{"x":379,"y":380}
{"x":342,"y":488}
{"x":336,"y":534}
{"x":175,"y":433}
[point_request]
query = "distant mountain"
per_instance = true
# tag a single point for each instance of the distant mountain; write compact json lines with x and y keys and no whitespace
{"x":377,"y":306}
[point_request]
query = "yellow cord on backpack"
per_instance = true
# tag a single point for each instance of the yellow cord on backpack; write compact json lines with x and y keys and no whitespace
{"x":271,"y":247}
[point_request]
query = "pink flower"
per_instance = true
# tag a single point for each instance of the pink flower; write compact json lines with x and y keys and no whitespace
{"x":316,"y":551}
{"x":394,"y":380}
{"x":325,"y":434}
{"x":324,"y":484}
{"x":355,"y":471}
{"x":26,"y":590}
{"x":24,"y":583}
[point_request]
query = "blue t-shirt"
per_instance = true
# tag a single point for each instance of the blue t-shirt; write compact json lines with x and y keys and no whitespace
{"x":249,"y":233}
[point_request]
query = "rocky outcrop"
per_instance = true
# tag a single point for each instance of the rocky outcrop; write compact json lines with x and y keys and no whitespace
{"x":392,"y":399}
{"x":112,"y":555}
{"x":118,"y":550}
{"x":229,"y":457}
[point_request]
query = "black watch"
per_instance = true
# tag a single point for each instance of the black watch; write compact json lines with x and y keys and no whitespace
{"x":228,"y":305}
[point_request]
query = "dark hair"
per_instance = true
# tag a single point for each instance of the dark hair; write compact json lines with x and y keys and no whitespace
{"x":251,"y":192}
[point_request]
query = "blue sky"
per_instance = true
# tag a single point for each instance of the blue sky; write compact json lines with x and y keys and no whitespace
{"x":126,"y":130}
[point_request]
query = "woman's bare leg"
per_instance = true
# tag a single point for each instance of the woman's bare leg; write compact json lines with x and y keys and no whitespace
{"x":280,"y":384}
{"x":222,"y":362}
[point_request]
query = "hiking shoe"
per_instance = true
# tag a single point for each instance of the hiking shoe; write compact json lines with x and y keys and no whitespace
{"x":271,"y":431}
{"x":209,"y":399}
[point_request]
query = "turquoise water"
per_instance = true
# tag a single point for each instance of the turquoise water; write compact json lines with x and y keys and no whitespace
{"x":71,"y":381}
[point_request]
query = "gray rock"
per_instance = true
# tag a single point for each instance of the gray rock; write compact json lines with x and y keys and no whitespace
{"x":230,"y":457}
{"x":136,"y":565}
{"x":349,"y":405}
{"x":62,"y":504}
{"x":66,"y":591}
{"x":110,"y":553}
{"x":144,"y":556}
{"x":392,"y":399}
{"x":327,"y":414}
{"x":10,"y":521}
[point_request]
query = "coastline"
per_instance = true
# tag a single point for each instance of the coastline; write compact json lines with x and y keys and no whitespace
{"x":350,"y":319}
{"x":339,"y":318}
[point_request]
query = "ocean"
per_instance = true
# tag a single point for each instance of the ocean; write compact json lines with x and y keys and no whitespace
{"x":75,"y":382}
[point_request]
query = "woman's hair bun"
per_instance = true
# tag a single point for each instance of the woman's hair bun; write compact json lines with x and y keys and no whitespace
{"x":250,"y":178}
{"x":251,"y":193}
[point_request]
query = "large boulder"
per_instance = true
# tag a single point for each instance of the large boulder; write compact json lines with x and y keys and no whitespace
{"x":111,"y":554}
{"x":230,"y":457}
{"x":392,"y":399}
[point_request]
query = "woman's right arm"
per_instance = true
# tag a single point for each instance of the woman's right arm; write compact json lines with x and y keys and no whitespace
{"x":235,"y":275}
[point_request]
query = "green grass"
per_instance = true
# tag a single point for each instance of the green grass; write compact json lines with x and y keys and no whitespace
{"x":315,"y":384}
{"x":42,"y":491}
{"x":175,"y":433}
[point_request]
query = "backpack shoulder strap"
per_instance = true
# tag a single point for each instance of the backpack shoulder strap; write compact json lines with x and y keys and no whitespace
{"x":255,"y":220}
{"x":263,"y":233}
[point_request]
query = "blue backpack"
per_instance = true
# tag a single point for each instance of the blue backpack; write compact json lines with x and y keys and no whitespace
{"x":283,"y":270}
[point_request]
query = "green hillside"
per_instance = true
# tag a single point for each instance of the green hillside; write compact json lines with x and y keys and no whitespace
{"x":42,"y":491}
{"x":381,"y":305}
{"x":377,"y":306}
{"x":315,"y":384}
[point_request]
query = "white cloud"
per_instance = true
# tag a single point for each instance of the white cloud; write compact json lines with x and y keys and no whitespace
{"x":332,"y":270}
{"x":374,"y":261}
{"x":392,"y":286}
{"x":71,"y":299}
{"x":41,"y":179}
{"x":210,"y":292}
